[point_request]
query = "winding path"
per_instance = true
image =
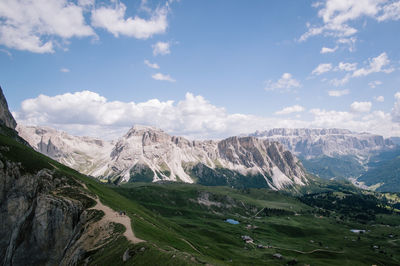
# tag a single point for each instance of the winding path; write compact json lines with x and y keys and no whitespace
{"x":112,"y":216}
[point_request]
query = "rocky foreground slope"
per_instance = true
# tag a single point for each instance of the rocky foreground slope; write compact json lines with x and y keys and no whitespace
{"x":150,"y":154}
{"x":311,"y":143}
{"x":47,"y":217}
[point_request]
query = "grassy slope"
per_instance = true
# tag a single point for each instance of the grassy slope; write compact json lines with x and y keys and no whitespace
{"x":179,"y":231}
{"x":341,"y":167}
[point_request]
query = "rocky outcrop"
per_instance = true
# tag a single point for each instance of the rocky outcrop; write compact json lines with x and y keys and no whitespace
{"x":147,"y":153}
{"x":36,"y":225}
{"x":84,"y":154}
{"x":6,"y":117}
{"x":311,"y":143}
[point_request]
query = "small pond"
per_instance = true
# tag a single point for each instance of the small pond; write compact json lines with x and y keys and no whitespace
{"x":231,"y":221}
{"x":357,"y":231}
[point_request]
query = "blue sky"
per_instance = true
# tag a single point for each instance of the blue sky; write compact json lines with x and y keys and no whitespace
{"x":202,"y":69}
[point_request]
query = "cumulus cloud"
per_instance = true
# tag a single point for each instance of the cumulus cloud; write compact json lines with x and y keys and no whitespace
{"x":361,"y":107}
{"x":337,"y":17}
{"x":396,"y":108}
{"x":41,"y":26}
{"x":151,"y":65}
{"x":88,"y":113}
{"x":64,"y":70}
{"x":161,"y":48}
{"x":390,"y":12}
{"x":374,"y":84}
{"x":290,"y":110}
{"x":338,"y":93}
{"x":376,"y":65}
{"x":36,"y":25}
{"x":327,"y":50}
{"x":322,"y":68}
{"x":347,"y":66}
{"x":284,"y":84}
{"x":380,"y":99}
{"x":163,"y":77}
{"x":112,"y":19}
{"x":379,"y":64}
{"x":340,"y":82}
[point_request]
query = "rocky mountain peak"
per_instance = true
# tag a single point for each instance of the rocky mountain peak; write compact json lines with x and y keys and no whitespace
{"x":6,"y":117}
{"x":150,"y":154}
{"x":311,"y":143}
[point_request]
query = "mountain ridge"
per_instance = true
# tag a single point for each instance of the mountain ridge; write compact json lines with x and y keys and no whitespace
{"x":148,"y":151}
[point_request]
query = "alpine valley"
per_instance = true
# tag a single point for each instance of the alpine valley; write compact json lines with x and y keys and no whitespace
{"x":165,"y":200}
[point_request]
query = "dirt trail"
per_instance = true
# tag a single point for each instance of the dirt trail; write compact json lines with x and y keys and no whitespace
{"x":112,"y":216}
{"x":309,"y":252}
{"x":190,"y":244}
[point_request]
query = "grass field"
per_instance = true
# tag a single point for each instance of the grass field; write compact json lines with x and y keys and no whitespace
{"x":185,"y":224}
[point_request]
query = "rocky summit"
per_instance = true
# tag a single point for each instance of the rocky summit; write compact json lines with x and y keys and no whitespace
{"x":6,"y":117}
{"x":149,"y":154}
{"x":311,"y":143}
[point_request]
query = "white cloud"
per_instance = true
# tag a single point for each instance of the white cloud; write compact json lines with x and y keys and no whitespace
{"x":338,"y":93}
{"x":347,"y":66}
{"x":376,"y":65}
{"x":390,"y":12}
{"x":284,"y":84}
{"x":326,"y":50}
{"x":161,"y":48}
{"x":361,"y":107}
{"x":337,"y":15}
{"x":340,"y":82}
{"x":36,"y":26}
{"x":291,"y":109}
{"x":163,"y":77}
{"x":350,"y":42}
{"x":64,"y":70}
{"x":380,"y":99}
{"x":396,"y":108}
{"x":8,"y":53}
{"x":374,"y":84}
{"x":151,"y":65}
{"x":112,"y":18}
{"x":88,"y":113}
{"x":86,"y":3}
{"x":322,"y":68}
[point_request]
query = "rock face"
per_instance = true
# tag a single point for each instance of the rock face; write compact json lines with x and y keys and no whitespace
{"x":36,"y":226}
{"x":81,"y":153}
{"x":40,"y":220}
{"x":6,"y":117}
{"x":311,"y":143}
{"x":150,"y":154}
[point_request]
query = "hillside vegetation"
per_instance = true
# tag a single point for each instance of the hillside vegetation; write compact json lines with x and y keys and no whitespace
{"x":185,"y":224}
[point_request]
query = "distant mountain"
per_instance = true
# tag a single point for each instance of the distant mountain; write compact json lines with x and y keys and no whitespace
{"x":383,"y":172}
{"x":395,"y":140}
{"x":84,"y":154}
{"x":150,"y":154}
{"x":342,"y":154}
{"x":312,"y":143}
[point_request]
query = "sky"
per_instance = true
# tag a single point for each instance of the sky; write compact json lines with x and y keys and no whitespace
{"x":202,"y":69}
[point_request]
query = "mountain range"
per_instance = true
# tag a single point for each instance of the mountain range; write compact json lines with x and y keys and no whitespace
{"x":332,"y":142}
{"x":262,"y":159}
{"x":149,"y":154}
